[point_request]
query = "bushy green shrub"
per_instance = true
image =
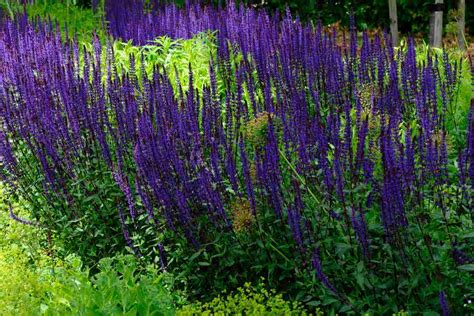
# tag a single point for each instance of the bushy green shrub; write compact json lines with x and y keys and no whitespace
{"x":174,"y":56}
{"x":34,"y":281}
{"x":247,"y":300}
{"x":212,"y":266}
{"x":96,"y":188}
{"x":121,"y":287}
{"x":20,"y":286}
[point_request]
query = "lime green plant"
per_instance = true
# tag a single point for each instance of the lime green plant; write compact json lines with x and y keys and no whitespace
{"x":21,"y":255}
{"x":36,"y":282}
{"x":121,"y":287}
{"x":247,"y":300}
{"x":173,"y":56}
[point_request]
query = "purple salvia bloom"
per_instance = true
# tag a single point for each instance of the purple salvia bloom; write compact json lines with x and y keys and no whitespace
{"x":294,"y":220}
{"x":443,"y":159}
{"x":18,"y":219}
{"x":320,"y":274}
{"x":348,"y":133}
{"x":122,"y":182}
{"x":146,"y":202}
{"x":459,"y":256}
{"x":95,"y":5}
{"x":361,"y":141}
{"x":335,"y":215}
{"x":299,"y":205}
{"x":409,"y":161}
{"x":163,"y":259}
{"x":360,"y":228}
{"x":7,"y":157}
{"x":443,"y":304}
{"x":469,"y":152}
{"x":272,"y":169}
{"x":339,"y":176}
{"x":393,"y":213}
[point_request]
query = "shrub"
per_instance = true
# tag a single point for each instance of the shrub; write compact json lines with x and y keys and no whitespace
{"x":120,"y":287}
{"x":246,"y":301}
{"x":20,"y":245}
{"x":35,"y":281}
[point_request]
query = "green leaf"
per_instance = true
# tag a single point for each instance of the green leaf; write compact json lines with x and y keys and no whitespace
{"x":342,"y":248}
{"x":470,"y":235}
{"x":328,"y":300}
{"x":360,"y":280}
{"x":467,"y":267}
{"x":194,"y":256}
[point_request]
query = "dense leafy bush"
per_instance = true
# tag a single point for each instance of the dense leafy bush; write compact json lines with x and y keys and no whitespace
{"x":342,"y":174}
{"x":120,"y":287}
{"x":100,"y":238}
{"x":246,"y":301}
{"x":21,"y":287}
{"x":36,"y":282}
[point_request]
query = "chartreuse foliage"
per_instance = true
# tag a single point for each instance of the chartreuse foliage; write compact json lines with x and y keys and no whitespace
{"x":21,"y":287}
{"x":35,"y":281}
{"x":247,"y":300}
{"x":175,"y":57}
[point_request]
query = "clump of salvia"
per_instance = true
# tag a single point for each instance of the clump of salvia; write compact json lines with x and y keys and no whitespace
{"x":373,"y":163}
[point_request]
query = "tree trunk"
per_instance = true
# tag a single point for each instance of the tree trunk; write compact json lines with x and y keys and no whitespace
{"x":436,"y":24}
{"x":461,"y":24}
{"x":392,"y":8}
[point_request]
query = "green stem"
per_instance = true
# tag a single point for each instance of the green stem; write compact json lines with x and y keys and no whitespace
{"x":302,"y":180}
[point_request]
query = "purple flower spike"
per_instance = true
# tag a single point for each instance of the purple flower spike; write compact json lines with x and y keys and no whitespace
{"x":320,"y":274}
{"x":443,"y":304}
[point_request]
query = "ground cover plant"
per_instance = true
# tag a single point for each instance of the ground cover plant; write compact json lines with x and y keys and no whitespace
{"x":342,"y":173}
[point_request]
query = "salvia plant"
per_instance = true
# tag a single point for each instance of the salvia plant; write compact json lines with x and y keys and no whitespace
{"x":327,"y":167}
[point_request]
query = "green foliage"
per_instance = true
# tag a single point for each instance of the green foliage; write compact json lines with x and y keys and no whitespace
{"x":121,"y":287}
{"x":20,"y":287}
{"x":37,"y":282}
{"x":82,"y":22}
{"x":94,"y":188}
{"x":174,"y":56}
{"x":247,"y":300}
